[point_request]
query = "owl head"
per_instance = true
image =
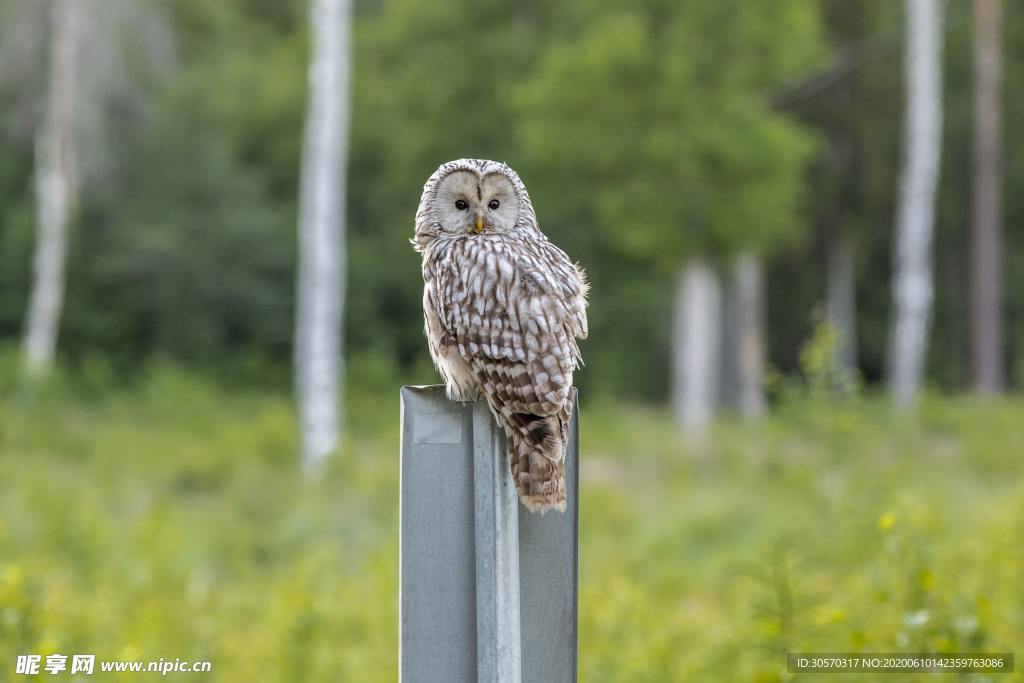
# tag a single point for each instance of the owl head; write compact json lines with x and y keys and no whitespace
{"x":470,"y":198}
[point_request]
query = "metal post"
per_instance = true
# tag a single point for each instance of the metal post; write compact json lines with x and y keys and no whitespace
{"x":488,"y":590}
{"x":498,"y":650}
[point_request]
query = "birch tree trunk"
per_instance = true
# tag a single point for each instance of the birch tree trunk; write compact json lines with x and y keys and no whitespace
{"x":318,"y":358}
{"x":749,"y":282}
{"x":729,"y":350}
{"x":922,"y":135}
{"x":696,"y":339}
{"x":986,"y":266}
{"x":841,"y":299}
{"x":56,"y":182}
{"x":742,"y":342}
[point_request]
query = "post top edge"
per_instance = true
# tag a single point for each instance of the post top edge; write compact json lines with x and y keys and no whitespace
{"x":434,"y":389}
{"x":422,"y":388}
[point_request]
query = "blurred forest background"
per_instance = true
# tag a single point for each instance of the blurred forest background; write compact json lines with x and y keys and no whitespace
{"x":734,"y":176}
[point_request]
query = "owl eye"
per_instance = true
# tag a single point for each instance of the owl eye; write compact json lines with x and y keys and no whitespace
{"x":493,"y":204}
{"x":461,"y":204}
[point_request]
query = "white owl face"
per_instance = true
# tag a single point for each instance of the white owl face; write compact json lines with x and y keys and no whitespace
{"x":467,"y":203}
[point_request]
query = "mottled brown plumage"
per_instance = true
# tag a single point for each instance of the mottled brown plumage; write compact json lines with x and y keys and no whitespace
{"x":503,"y":308}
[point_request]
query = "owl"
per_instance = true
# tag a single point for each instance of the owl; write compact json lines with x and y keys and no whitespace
{"x":503,"y":308}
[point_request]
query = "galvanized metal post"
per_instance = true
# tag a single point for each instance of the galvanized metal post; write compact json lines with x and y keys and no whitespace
{"x":498,"y":649}
{"x":488,"y":590}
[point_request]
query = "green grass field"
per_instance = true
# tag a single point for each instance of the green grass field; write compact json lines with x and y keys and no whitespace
{"x":168,"y":520}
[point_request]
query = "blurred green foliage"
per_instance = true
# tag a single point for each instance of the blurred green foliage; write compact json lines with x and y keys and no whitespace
{"x":646,"y":131}
{"x":658,"y":113}
{"x":168,"y":520}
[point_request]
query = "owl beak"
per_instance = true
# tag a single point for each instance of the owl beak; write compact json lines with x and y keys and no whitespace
{"x":479,"y":224}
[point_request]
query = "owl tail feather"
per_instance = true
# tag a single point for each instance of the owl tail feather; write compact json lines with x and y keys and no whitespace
{"x":536,"y":451}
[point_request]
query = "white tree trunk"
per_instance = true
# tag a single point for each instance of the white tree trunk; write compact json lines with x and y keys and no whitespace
{"x":922,"y":134}
{"x":321,"y":232}
{"x":749,"y":283}
{"x":986,"y":223}
{"x":696,"y":338}
{"x":729,"y":350}
{"x":841,"y":300}
{"x":742,"y":342}
{"x":56,"y":181}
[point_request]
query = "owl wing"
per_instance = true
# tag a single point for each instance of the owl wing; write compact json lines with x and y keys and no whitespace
{"x":514,"y":310}
{"x":563,"y":281}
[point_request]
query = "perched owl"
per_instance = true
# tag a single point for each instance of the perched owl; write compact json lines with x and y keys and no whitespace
{"x":503,"y":307}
